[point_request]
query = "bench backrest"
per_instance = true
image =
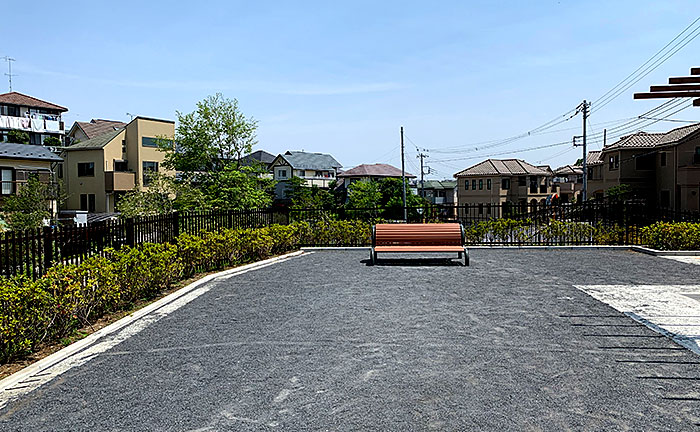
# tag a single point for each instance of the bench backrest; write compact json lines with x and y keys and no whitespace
{"x":449,"y":234}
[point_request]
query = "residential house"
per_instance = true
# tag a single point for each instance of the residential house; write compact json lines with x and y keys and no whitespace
{"x":18,"y":162}
{"x":367,"y":172}
{"x":568,"y":180}
{"x":494,"y":182}
{"x":81,"y":131}
{"x":258,"y":157}
{"x":99,"y":170}
{"x":316,"y":169}
{"x":441,"y":192}
{"x":661,"y":167}
{"x":40,"y":119}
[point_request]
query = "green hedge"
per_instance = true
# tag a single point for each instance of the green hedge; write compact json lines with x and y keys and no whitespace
{"x":69,"y":297}
{"x":672,"y":236}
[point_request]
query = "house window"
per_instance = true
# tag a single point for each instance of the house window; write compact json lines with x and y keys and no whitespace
{"x":149,"y":142}
{"x":481,"y":184}
{"x":319,"y":173}
{"x":121,"y":165}
{"x":148,"y":169}
{"x":505,"y":183}
{"x":7,"y":186}
{"x":282,"y":173}
{"x":488,"y":184}
{"x":665,"y":199}
{"x":123,"y":146}
{"x":59,"y":170}
{"x":473,"y":184}
{"x":86,"y":169}
{"x":522,"y":181}
{"x":663,"y":159}
{"x":466,"y":184}
{"x":87,"y":202}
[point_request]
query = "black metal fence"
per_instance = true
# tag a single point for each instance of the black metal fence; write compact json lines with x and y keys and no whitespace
{"x":32,"y":252}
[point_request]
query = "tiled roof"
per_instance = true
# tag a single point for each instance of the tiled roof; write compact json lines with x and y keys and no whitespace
{"x":97,"y":127}
{"x":678,"y":134}
{"x":311,"y":161}
{"x":374,"y":170}
{"x":27,"y":151}
{"x":94,"y":143}
{"x":508,"y":167}
{"x":636,"y":140}
{"x":568,"y":170}
{"x":14,"y":98}
{"x":594,"y":157}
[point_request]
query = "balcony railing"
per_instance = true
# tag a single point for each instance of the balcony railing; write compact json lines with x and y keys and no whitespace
{"x":119,"y":181}
{"x":40,"y":123}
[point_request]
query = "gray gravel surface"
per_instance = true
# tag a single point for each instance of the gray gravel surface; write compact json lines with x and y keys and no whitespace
{"x":326,"y":342}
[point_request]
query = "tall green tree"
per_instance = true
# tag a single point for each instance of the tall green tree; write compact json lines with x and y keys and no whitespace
{"x":163,"y":195}
{"x":214,"y":135}
{"x":364,"y":194}
{"x":237,"y":188}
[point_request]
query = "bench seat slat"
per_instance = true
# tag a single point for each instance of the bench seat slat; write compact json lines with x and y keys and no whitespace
{"x":419,"y":248}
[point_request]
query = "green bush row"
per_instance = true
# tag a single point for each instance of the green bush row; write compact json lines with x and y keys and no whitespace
{"x":69,"y":297}
{"x":672,"y":236}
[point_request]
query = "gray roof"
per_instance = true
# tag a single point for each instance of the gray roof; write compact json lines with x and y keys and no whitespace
{"x":27,"y":151}
{"x":677,"y":134}
{"x":505,"y":167}
{"x":374,"y":170}
{"x":438,"y":184}
{"x":95,"y":143}
{"x":97,"y":127}
{"x":311,"y":161}
{"x":260,"y":156}
{"x":636,"y":140}
{"x":569,"y":170}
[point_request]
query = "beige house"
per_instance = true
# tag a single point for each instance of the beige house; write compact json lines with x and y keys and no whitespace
{"x":494,"y":182}
{"x":98,"y":170}
{"x":664,"y":167}
{"x":18,"y":162}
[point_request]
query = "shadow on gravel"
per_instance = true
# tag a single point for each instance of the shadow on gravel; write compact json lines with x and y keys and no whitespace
{"x":416,"y":262}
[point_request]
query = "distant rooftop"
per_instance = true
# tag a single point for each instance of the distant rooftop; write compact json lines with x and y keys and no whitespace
{"x":259,"y":156}
{"x":374,"y":170}
{"x":27,"y":151}
{"x":310,"y":161}
{"x":506,"y":167}
{"x":97,"y":127}
{"x":95,"y":143}
{"x":19,"y":99}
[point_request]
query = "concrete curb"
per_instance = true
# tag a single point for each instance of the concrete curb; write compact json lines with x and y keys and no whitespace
{"x":77,"y":347}
{"x":656,"y":252}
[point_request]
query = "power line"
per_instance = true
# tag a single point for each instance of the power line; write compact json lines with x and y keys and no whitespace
{"x":643,"y":71}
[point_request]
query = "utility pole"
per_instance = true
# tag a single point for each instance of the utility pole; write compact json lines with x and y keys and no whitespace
{"x":583,"y":108}
{"x":605,"y":137}
{"x":422,"y":171}
{"x":9,"y":61}
{"x":585,"y":153}
{"x":403,"y":181}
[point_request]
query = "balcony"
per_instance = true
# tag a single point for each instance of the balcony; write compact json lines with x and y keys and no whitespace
{"x":119,"y":181}
{"x":41,"y":123}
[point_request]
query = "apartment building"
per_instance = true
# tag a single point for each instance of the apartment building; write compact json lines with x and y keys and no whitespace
{"x":494,"y":182}
{"x":38,"y":118}
{"x":97,"y":171}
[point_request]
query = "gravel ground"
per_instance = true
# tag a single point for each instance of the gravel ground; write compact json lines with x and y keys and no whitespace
{"x":325,"y":342}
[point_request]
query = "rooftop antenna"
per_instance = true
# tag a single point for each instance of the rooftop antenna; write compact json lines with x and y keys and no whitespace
{"x":9,"y":75}
{"x":131,"y":115}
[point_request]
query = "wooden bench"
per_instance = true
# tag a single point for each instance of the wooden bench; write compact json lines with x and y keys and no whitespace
{"x":447,"y":237}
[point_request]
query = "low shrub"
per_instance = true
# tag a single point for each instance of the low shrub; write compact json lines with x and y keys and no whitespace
{"x":672,"y":236}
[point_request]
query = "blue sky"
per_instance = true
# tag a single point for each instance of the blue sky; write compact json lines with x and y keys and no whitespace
{"x":342,"y":78}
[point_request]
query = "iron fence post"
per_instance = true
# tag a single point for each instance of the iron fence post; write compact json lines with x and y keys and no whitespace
{"x":129,"y":226}
{"x":48,"y":247}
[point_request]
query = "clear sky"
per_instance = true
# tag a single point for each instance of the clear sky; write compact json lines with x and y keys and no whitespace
{"x":342,"y":77}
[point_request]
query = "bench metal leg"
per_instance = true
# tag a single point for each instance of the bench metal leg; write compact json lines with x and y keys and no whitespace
{"x":372,"y":256}
{"x":459,"y":255}
{"x":466,"y":257}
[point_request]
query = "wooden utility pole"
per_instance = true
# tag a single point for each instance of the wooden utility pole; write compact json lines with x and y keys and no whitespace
{"x":584,"y":193}
{"x":403,"y":181}
{"x":422,"y":187}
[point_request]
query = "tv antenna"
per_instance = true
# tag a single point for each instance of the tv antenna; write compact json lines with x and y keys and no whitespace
{"x":9,"y":75}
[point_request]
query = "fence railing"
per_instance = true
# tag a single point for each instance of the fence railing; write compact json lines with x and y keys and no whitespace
{"x":32,"y":252}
